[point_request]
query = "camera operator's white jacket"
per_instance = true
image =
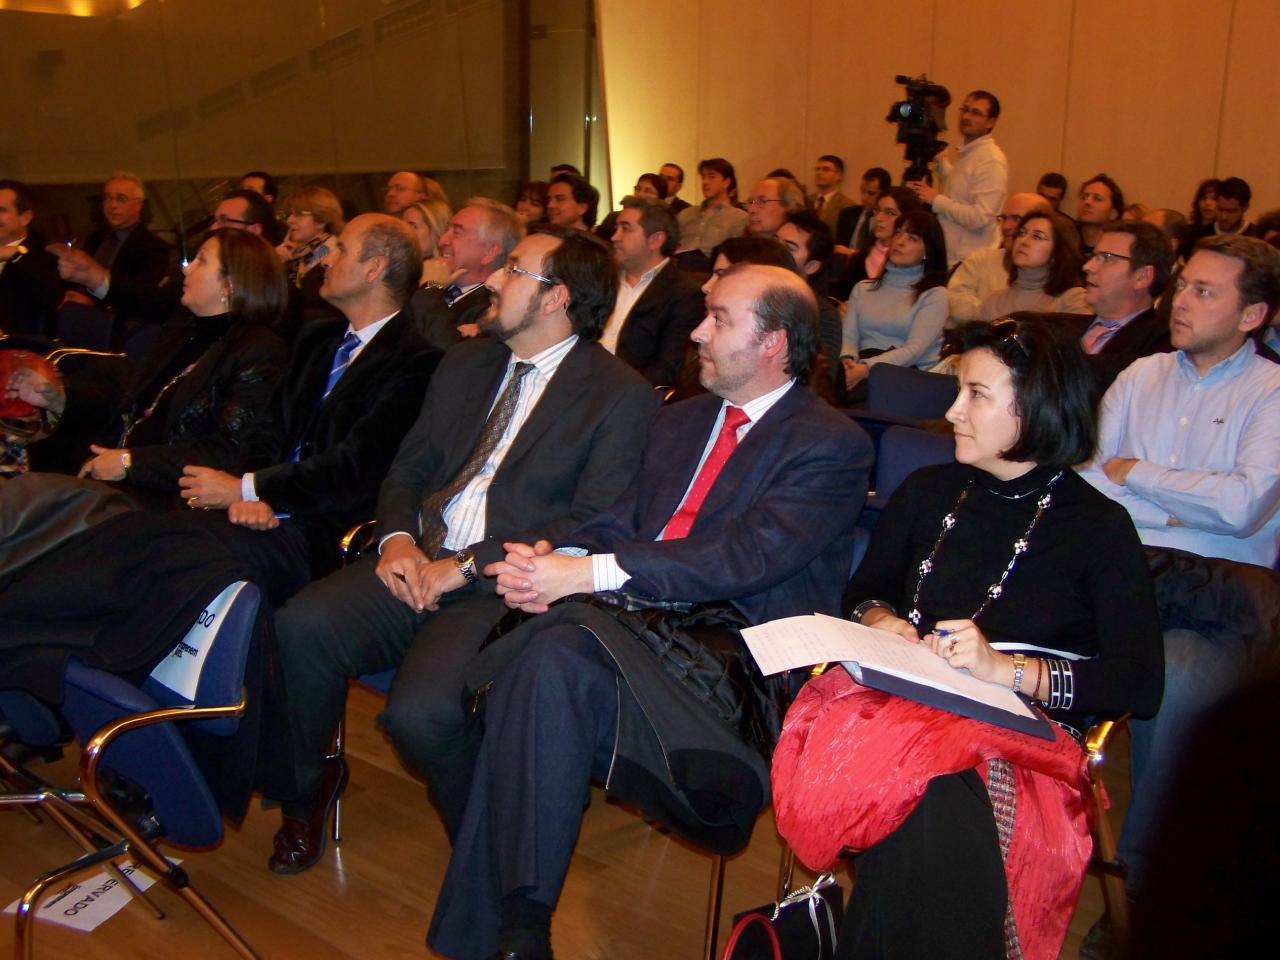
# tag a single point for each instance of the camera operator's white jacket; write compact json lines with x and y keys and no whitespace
{"x":971,"y":191}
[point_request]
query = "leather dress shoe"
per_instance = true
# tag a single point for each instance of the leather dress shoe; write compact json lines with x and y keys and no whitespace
{"x":299,"y":843}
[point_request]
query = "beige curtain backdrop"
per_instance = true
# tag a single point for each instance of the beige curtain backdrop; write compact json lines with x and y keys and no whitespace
{"x":1157,"y":93}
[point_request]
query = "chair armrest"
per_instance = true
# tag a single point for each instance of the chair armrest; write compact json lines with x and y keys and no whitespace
{"x":356,"y":541}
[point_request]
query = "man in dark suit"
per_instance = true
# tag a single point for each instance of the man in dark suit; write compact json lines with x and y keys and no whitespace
{"x":853,"y":225}
{"x":532,"y":427}
{"x":1128,"y":268}
{"x":673,"y":173}
{"x":658,"y":304}
{"x":747,"y":495}
{"x":137,"y":297}
{"x":350,"y":393}
{"x":29,"y":284}
{"x":478,"y":240}
{"x":126,"y":247}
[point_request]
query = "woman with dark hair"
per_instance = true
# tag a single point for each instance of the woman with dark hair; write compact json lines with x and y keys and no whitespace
{"x":966,"y":834}
{"x":1204,"y":211}
{"x":1204,"y":205}
{"x":531,"y":203}
{"x":898,"y":317}
{"x":1044,"y":266}
{"x":868,"y":263}
{"x":208,"y":377}
{"x":650,"y":185}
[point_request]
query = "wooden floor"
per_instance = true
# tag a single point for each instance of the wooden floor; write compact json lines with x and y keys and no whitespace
{"x":632,"y":893}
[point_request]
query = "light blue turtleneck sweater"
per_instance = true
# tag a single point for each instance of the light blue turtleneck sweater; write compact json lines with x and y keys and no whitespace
{"x":887,"y":319}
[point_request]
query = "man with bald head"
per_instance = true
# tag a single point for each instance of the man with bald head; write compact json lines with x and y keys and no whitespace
{"x":352,"y":390}
{"x":984,"y":272}
{"x":534,"y":427}
{"x":403,"y":188}
{"x":746,"y":497}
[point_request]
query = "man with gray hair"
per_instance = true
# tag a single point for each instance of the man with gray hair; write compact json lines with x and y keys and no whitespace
{"x":477,"y":241}
{"x":771,"y":201}
{"x":658,"y":304}
{"x":125,"y":247}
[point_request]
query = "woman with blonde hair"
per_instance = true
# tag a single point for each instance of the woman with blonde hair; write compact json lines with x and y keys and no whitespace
{"x":429,"y":220}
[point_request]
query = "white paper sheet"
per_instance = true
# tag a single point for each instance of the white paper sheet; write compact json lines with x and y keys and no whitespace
{"x":803,"y":641}
{"x":86,"y":904}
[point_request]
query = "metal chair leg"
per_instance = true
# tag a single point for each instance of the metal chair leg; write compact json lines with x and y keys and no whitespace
{"x":786,"y":871}
{"x":339,"y":737}
{"x":715,"y":896}
{"x":24,"y":928}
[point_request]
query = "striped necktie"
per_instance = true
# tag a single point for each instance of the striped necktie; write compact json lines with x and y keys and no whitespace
{"x":434,"y":529}
{"x":341,"y":360}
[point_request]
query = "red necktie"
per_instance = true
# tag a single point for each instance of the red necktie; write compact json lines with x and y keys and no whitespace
{"x":681,"y":522}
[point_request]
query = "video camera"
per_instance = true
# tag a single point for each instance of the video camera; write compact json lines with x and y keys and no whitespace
{"x":920,"y":118}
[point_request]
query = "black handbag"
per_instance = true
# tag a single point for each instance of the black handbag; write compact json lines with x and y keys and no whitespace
{"x":804,"y":925}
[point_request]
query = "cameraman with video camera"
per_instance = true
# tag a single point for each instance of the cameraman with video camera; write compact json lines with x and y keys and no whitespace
{"x":973,"y":185}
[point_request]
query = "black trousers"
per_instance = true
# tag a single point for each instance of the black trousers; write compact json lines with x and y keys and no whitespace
{"x":935,"y":887}
{"x":550,"y":723}
{"x":349,"y":624}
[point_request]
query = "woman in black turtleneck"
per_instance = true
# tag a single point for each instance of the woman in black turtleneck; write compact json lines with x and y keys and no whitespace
{"x":1005,"y":555}
{"x":208,"y":377}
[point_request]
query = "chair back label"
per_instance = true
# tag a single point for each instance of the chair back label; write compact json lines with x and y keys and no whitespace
{"x":180,"y":670}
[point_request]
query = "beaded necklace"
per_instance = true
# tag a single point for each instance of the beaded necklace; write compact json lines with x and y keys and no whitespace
{"x":1019,"y":546}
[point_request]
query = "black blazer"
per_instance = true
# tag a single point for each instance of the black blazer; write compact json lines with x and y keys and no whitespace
{"x":656,"y":332}
{"x":1145,"y":334}
{"x":575,"y":454}
{"x":204,"y":418}
{"x":677,"y":205}
{"x":143,"y":258}
{"x":347,"y":442}
{"x":845,"y":224}
{"x":435,"y":321}
{"x":30,"y":290}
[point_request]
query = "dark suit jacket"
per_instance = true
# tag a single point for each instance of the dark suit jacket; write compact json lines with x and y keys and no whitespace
{"x":846,"y":223}
{"x":30,"y":290}
{"x":774,"y":535}
{"x":574,"y":455}
{"x":677,"y":205}
{"x":435,"y":321}
{"x":143,"y":258}
{"x":1145,"y":334}
{"x":348,"y":442}
{"x":656,"y":333}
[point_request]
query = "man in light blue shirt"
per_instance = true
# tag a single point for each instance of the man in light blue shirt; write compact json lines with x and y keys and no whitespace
{"x":1189,"y":442}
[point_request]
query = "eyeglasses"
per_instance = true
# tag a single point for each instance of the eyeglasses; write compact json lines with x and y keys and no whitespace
{"x":299,"y":213}
{"x":511,"y":268}
{"x":1106,"y":256}
{"x":1039,"y":235}
{"x":885,"y":212}
{"x":1008,"y":329}
{"x":761,"y":201}
{"x":223,"y":220}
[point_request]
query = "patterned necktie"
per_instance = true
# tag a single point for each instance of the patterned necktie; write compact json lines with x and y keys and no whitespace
{"x":681,"y":522}
{"x":819,"y":204}
{"x":341,"y":360}
{"x":1099,"y":331}
{"x":434,"y":529}
{"x":451,"y":293}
